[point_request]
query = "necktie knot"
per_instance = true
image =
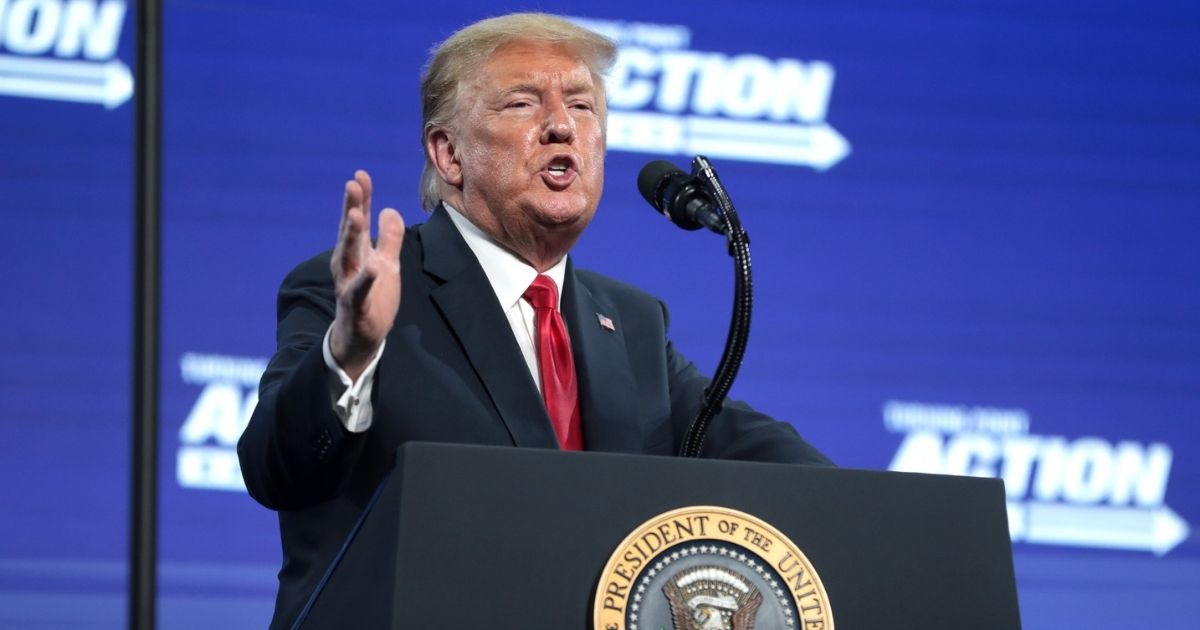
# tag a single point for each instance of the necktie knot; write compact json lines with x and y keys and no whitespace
{"x":542,"y":293}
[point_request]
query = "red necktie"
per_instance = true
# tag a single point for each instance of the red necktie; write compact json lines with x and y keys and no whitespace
{"x":555,"y":364}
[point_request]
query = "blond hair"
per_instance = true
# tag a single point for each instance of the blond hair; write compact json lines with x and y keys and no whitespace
{"x":455,"y":61}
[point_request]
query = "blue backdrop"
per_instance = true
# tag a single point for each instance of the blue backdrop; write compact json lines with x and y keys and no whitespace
{"x":973,"y":228}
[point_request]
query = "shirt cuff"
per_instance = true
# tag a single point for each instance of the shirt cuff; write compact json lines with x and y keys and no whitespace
{"x":351,"y":400}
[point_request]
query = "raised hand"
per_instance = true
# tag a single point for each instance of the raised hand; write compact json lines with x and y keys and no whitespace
{"x":366,"y":278}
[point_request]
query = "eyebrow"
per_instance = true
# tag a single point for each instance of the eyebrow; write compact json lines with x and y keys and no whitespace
{"x":572,"y":88}
{"x":519,"y":88}
{"x":579,"y":86}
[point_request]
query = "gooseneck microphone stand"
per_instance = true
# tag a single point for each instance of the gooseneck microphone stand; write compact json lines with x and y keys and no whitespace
{"x":739,"y":325}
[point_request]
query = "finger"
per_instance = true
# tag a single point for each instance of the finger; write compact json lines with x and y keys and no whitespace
{"x":391,"y":235}
{"x":347,"y":203}
{"x":351,"y":228}
{"x":363,"y":179}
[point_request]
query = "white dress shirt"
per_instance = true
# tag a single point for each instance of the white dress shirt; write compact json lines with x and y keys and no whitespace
{"x":509,"y":276}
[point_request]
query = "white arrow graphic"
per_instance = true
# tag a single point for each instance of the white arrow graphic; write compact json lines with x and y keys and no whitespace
{"x":819,"y":145}
{"x":104,"y":83}
{"x":1157,"y":529}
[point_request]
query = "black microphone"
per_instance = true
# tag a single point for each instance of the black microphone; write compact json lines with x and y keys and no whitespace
{"x":679,"y":197}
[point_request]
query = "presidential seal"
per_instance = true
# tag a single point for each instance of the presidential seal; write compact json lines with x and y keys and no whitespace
{"x":709,"y":568}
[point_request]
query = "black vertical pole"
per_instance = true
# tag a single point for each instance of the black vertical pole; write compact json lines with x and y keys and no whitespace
{"x":143,"y":547}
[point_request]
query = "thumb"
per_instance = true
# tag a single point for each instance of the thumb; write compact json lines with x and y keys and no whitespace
{"x":391,"y":235}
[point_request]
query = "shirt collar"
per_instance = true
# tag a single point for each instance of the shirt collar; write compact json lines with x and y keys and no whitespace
{"x":509,"y":276}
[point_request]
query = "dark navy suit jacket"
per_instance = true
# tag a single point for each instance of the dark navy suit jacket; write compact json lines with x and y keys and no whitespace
{"x":452,"y":372}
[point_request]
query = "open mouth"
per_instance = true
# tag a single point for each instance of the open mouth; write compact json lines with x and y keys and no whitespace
{"x":559,"y":173}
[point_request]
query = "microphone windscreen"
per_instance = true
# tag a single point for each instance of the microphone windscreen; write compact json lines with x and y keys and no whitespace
{"x":652,"y":177}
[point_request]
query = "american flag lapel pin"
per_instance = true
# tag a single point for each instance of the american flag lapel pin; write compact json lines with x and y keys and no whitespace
{"x":606,"y":323}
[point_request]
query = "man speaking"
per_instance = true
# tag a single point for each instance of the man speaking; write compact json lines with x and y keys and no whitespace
{"x":474,"y":327}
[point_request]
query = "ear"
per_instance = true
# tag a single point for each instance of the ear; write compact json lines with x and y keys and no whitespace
{"x":442,"y":150}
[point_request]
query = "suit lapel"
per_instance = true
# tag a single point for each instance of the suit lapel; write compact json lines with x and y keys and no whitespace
{"x":466,"y":299}
{"x":606,"y":400}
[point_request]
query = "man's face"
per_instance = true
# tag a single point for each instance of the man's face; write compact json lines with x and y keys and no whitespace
{"x":530,"y":146}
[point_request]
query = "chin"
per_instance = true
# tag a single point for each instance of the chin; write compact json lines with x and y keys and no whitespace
{"x":563,"y":213}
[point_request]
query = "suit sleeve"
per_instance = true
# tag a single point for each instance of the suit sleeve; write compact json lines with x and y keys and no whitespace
{"x":295,"y":452}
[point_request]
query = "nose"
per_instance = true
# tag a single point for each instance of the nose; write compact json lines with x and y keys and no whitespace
{"x":558,"y":126}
